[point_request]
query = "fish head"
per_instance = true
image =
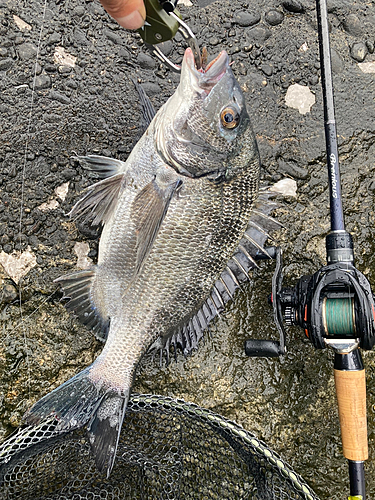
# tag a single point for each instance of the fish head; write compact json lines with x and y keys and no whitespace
{"x":205,"y":124}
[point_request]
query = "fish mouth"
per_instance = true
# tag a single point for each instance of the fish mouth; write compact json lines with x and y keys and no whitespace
{"x":210,"y":74}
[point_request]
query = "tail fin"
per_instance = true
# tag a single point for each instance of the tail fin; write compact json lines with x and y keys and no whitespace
{"x":78,"y":402}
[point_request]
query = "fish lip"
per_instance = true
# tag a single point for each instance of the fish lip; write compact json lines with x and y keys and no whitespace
{"x":207,"y":78}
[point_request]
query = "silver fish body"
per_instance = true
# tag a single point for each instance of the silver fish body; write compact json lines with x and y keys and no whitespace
{"x":174,"y":215}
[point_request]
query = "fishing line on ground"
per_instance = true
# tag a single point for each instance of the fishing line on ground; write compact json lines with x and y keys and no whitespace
{"x":23,"y":186}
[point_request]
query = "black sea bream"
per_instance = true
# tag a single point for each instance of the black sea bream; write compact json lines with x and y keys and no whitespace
{"x":180,"y":229}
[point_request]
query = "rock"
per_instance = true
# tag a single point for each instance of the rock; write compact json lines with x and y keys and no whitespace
{"x":166,"y":47}
{"x":54,"y":38}
{"x":292,"y":169}
{"x":3,"y":52}
{"x":259,"y":34}
{"x":114,"y":37}
{"x":300,"y":97}
{"x":151,"y":88}
{"x":5,"y":64}
{"x":246,"y":19}
{"x":285,"y":187}
{"x":41,"y":82}
{"x":370,"y":46}
{"x":274,"y":17}
{"x":336,"y":61}
{"x":8,"y":294}
{"x":293,"y":6}
{"x":27,"y":51}
{"x":145,"y":61}
{"x":352,"y":25}
{"x":124,"y":53}
{"x":267,"y":69}
{"x":358,"y":51}
{"x":79,"y":37}
{"x":57,"y":96}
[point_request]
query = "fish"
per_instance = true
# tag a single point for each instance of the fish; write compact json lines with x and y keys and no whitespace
{"x":182,"y":223}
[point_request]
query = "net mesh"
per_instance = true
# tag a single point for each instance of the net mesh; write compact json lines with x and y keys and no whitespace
{"x":168,"y":449}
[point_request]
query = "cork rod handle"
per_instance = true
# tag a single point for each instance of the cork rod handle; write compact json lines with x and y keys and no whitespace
{"x":351,"y":398}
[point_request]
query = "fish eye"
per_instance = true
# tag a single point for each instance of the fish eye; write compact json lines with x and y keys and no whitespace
{"x":229,"y":118}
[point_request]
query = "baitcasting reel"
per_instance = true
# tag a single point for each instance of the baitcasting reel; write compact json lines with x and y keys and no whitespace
{"x":334,"y":306}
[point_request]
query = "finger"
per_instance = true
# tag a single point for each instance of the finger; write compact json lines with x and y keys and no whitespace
{"x":130,"y":14}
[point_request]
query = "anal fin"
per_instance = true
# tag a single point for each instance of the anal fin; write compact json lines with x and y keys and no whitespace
{"x":77,"y":288}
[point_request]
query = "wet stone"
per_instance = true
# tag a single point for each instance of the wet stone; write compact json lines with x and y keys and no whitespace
{"x":145,"y":61}
{"x":336,"y":61}
{"x":27,"y":51}
{"x":293,"y":6}
{"x":246,"y":19}
{"x":274,"y":17}
{"x":370,"y":46}
{"x":267,"y":69}
{"x":125,"y":54}
{"x":352,"y":25}
{"x":114,"y":37}
{"x":57,"y":96}
{"x":259,"y":34}
{"x":3,"y":52}
{"x":6,"y":64}
{"x":151,"y":88}
{"x":54,"y":38}
{"x":41,"y":82}
{"x":8,"y":294}
{"x":358,"y":51}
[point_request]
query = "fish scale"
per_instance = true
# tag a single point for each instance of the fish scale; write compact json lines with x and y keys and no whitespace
{"x":174,"y":215}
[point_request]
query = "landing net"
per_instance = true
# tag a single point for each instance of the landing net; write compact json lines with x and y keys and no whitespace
{"x":168,"y":450}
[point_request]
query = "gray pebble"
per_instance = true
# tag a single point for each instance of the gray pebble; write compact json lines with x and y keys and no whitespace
{"x":8,"y":294}
{"x":259,"y":34}
{"x":54,"y":38}
{"x":79,"y":10}
{"x":352,"y":25}
{"x":42,"y":82}
{"x":151,"y":88}
{"x":336,"y":61}
{"x":166,"y":47}
{"x":57,"y":96}
{"x":274,"y":17}
{"x":64,"y":70}
{"x":27,"y":51}
{"x":370,"y":46}
{"x":293,"y":6}
{"x":114,"y":37}
{"x":5,"y":64}
{"x":358,"y":51}
{"x":214,"y":41}
{"x":124,"y":53}
{"x":3,"y":52}
{"x":267,"y":69}
{"x":80,"y":37}
{"x":145,"y":61}
{"x":292,"y":169}
{"x":246,"y":19}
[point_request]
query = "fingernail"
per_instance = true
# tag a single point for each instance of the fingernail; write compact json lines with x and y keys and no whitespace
{"x":132,"y":22}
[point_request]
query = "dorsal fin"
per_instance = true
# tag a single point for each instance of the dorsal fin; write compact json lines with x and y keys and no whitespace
{"x":76,"y":287}
{"x":236,"y":273}
{"x":99,"y":201}
{"x":147,"y":109}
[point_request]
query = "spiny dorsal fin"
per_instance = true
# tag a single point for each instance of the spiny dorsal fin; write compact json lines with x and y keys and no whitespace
{"x":99,"y":201}
{"x":147,"y":109}
{"x":76,"y":287}
{"x":236,"y":273}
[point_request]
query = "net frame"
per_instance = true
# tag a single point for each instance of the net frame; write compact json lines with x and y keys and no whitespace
{"x":161,"y":467}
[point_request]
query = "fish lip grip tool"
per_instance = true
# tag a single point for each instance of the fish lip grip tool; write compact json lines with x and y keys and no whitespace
{"x":162,"y":23}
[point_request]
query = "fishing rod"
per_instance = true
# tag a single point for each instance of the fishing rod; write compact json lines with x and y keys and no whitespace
{"x":335,"y":306}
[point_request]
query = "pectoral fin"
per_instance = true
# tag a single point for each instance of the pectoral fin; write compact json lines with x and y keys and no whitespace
{"x":148,"y":211}
{"x":100,"y":200}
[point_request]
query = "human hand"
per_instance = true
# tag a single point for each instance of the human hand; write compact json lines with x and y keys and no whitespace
{"x":130,"y":14}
